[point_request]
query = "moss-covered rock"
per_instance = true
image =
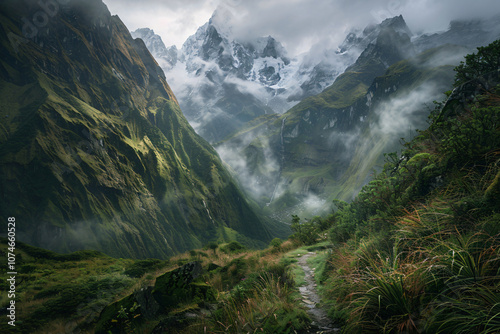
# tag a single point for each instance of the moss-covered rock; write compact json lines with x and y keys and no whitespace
{"x":182,"y":286}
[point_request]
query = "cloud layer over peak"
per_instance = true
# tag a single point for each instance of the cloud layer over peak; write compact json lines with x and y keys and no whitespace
{"x":298,"y":24}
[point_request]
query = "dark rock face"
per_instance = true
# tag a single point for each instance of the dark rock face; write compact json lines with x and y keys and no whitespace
{"x":149,"y":305}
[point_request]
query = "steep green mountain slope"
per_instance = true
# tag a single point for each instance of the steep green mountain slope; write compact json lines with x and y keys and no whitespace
{"x":94,"y":150}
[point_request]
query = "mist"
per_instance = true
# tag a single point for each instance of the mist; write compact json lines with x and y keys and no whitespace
{"x":405,"y":111}
{"x":257,"y":182}
{"x":404,"y":114}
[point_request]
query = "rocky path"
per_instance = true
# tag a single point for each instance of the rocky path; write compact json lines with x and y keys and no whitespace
{"x":321,"y":323}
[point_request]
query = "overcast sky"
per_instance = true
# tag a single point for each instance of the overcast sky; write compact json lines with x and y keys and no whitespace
{"x":298,"y":24}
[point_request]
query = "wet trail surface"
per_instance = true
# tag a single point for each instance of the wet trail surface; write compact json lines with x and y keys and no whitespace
{"x":321,"y":323}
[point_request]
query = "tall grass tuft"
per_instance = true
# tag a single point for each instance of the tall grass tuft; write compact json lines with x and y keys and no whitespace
{"x":269,"y":308}
{"x":391,"y":296}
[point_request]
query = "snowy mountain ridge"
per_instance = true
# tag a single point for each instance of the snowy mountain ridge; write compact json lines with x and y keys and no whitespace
{"x":215,"y":64}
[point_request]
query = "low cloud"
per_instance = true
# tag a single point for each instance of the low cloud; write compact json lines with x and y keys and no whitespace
{"x":344,"y":143}
{"x":313,"y":205}
{"x":249,"y":87}
{"x":404,"y":112}
{"x":402,"y":115}
{"x":259,"y":181}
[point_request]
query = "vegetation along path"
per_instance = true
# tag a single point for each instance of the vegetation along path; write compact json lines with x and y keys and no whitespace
{"x":321,"y":323}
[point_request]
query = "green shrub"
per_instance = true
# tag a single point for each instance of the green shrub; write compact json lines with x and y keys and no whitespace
{"x":51,"y":291}
{"x":245,"y":289}
{"x":28,"y":268}
{"x":305,"y":232}
{"x":476,"y":64}
{"x":213,"y":246}
{"x":232,"y":247}
{"x":276,"y":243}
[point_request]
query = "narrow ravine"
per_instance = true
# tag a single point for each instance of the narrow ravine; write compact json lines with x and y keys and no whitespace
{"x":321,"y":323}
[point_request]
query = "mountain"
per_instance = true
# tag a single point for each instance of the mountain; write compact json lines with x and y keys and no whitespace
{"x":214,"y":72}
{"x":223,"y":82}
{"x":361,"y":39}
{"x":327,"y":146}
{"x":94,"y":149}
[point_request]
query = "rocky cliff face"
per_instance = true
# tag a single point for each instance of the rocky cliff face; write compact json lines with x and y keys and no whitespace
{"x":94,"y":149}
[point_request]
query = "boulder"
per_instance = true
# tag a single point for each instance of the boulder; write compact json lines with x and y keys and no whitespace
{"x":181,"y":286}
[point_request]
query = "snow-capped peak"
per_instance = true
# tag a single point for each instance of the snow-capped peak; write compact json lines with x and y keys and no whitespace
{"x":214,"y":66}
{"x":222,"y":20}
